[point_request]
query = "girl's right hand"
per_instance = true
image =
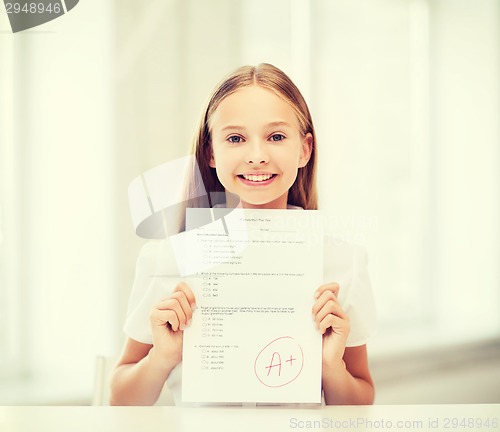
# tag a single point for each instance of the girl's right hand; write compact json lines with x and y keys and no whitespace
{"x":168,"y":319}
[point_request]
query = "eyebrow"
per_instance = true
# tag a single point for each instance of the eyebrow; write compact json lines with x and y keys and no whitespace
{"x":272,"y":124}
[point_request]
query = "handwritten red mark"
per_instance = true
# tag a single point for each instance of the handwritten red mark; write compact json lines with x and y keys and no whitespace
{"x":274,"y":365}
{"x":269,"y":368}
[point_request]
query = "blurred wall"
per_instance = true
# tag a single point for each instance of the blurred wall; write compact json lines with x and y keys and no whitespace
{"x":405,"y":97}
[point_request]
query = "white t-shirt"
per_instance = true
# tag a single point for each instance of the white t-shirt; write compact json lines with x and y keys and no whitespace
{"x":156,"y":277}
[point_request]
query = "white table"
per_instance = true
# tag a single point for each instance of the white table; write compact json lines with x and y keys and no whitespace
{"x":261,"y":419}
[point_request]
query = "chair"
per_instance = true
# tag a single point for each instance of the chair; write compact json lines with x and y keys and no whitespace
{"x":103,"y":368}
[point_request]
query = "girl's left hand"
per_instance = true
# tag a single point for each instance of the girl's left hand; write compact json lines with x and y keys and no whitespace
{"x":332,"y":322}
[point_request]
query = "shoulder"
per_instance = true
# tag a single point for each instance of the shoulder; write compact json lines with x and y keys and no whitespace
{"x":346,"y":263}
{"x":156,"y":257}
{"x":341,"y":256}
{"x":149,"y":251}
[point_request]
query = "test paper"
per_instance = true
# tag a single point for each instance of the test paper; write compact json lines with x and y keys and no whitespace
{"x":252,"y":337}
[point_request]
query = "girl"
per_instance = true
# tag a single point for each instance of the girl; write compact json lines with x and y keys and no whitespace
{"x":256,"y":148}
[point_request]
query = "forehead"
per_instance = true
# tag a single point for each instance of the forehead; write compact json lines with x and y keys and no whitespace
{"x":253,"y":106}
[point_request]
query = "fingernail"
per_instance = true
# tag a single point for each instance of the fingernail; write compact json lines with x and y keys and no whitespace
{"x":193,"y":307}
{"x":189,"y":323}
{"x":316,"y":294}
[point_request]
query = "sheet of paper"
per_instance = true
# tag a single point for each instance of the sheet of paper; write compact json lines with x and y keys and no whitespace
{"x":252,"y":338}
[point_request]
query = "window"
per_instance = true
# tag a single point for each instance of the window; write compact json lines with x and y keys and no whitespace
{"x":57,"y":208}
{"x":406,"y":97}
{"x":10,"y":366}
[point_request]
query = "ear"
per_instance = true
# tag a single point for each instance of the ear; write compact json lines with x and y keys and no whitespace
{"x":211,"y":163}
{"x":306,"y":150}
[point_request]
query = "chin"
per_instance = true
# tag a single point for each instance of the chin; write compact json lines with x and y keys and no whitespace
{"x":266,"y":203}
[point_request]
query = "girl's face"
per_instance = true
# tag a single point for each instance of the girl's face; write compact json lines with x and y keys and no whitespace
{"x":257,"y":147}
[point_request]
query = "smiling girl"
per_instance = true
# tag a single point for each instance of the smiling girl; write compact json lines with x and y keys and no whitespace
{"x":256,"y":148}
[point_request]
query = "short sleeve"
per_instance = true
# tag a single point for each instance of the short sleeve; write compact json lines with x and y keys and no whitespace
{"x":347,"y":264}
{"x":155,"y":278}
{"x":360,"y":302}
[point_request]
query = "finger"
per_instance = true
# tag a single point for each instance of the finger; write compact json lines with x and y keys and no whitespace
{"x":174,"y":305}
{"x":184,"y":287}
{"x":323,"y":299}
{"x":330,"y":308}
{"x":161,"y":318}
{"x":337,"y":324}
{"x":332,"y":286}
{"x":181,"y":298}
{"x":185,"y":306}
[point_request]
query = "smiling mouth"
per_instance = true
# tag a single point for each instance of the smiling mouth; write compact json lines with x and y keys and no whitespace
{"x":257,"y":178}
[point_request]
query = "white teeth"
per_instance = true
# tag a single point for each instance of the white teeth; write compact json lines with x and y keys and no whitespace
{"x":257,"y":177}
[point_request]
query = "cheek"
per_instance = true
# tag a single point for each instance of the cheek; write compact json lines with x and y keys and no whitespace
{"x":221,"y":161}
{"x":216,"y":157}
{"x":290,"y":163}
{"x":223,"y":166}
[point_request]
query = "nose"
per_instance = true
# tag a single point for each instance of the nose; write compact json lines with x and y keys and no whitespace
{"x":257,"y":154}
